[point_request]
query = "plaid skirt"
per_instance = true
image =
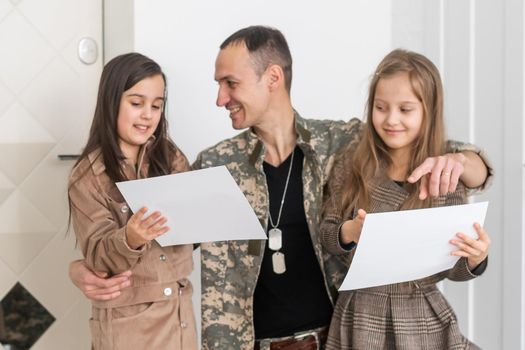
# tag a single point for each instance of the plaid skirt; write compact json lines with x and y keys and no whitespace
{"x":397,"y":316}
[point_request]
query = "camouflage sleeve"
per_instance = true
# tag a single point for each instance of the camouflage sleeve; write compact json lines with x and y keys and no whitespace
{"x":225,"y":319}
{"x":456,"y":146}
{"x":210,"y":158}
{"x":332,"y":213}
{"x":340,"y":134}
{"x":197,"y":164}
{"x":213,"y":268}
{"x":179,"y":163}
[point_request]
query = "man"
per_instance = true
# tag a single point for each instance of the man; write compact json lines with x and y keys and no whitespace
{"x":280,"y":292}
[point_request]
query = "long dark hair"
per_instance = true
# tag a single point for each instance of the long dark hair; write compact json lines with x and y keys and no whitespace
{"x":119,"y":75}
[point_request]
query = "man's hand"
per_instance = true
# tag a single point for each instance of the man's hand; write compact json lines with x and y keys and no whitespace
{"x":439,"y":175}
{"x":95,"y":285}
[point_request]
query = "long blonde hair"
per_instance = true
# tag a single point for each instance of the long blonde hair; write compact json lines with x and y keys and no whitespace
{"x":372,"y":156}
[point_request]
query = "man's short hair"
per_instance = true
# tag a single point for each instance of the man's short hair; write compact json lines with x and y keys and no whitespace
{"x":266,"y":46}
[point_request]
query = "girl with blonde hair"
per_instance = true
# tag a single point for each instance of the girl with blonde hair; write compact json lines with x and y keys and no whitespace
{"x":404,"y":127}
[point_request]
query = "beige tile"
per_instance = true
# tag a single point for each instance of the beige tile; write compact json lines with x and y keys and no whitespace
{"x":5,"y":182}
{"x":6,"y":187}
{"x":46,"y":187}
{"x":72,"y":15}
{"x":19,"y":126}
{"x":19,"y":159}
{"x":18,"y":250}
{"x":56,"y":112}
{"x":6,"y":97}
{"x":26,"y":54}
{"x":47,"y":275}
{"x":4,"y":194}
{"x":19,"y":215}
{"x":8,"y":280}
{"x":71,"y":331}
{"x":47,"y":99}
{"x":75,"y":140}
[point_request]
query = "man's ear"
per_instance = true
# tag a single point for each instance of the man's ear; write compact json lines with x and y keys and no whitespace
{"x":275,"y":77}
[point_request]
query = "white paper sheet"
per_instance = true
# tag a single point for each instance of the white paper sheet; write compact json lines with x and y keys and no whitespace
{"x":411,"y":244}
{"x":201,"y":206}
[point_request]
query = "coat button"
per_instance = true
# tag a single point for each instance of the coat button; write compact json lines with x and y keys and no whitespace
{"x":124,"y":209}
{"x":167,"y":291}
{"x":162,"y":257}
{"x":183,"y":324}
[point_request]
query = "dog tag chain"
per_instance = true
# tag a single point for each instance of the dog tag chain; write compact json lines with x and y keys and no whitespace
{"x":275,"y":235}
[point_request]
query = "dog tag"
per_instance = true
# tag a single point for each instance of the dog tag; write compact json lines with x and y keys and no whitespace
{"x":278,"y":263}
{"x":275,"y":239}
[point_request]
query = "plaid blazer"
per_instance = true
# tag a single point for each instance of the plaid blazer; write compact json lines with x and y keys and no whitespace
{"x":409,"y":315}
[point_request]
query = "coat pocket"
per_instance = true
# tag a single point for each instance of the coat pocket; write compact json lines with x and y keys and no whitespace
{"x":99,"y":340}
{"x":131,"y":327}
{"x":147,"y":326}
{"x":131,"y":311}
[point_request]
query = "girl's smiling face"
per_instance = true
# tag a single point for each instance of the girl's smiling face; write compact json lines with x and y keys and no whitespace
{"x":397,"y":114}
{"x":139,"y":114}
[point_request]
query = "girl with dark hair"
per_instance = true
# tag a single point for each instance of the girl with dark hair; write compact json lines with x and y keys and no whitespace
{"x":128,"y":140}
{"x":404,"y":127}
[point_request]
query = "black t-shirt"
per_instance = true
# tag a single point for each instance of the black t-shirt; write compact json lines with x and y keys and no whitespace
{"x":296,"y":300}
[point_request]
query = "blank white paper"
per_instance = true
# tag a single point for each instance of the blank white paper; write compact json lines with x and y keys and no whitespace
{"x":201,"y":206}
{"x":408,"y":245}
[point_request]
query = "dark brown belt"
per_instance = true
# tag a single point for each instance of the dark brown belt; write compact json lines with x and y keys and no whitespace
{"x":309,"y":340}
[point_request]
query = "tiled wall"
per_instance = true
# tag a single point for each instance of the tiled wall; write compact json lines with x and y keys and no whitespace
{"x":47,"y":98}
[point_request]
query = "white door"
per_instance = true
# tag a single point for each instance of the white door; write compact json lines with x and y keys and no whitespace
{"x":47,"y":98}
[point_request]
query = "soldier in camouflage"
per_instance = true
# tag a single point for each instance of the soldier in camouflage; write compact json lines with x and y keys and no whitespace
{"x":281,"y":163}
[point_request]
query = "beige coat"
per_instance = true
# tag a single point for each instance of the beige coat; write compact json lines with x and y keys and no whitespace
{"x":156,"y":311}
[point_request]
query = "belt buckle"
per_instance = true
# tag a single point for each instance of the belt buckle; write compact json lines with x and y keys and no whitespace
{"x":303,"y":336}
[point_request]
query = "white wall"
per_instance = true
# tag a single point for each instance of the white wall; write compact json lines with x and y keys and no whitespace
{"x":118,"y":28}
{"x":332,"y":57}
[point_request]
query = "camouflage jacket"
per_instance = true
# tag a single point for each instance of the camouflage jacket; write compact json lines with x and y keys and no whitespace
{"x":230,"y":268}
